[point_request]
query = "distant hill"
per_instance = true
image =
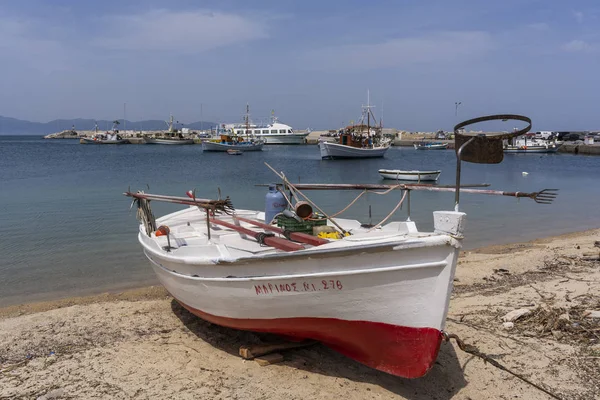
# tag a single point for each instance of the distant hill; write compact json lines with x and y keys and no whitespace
{"x":13,"y":126}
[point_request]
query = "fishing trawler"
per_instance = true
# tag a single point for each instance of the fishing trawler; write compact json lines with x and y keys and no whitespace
{"x":358,"y":141}
{"x":171,"y":137}
{"x":378,"y":294}
{"x":106,"y":137}
{"x":232,"y":139}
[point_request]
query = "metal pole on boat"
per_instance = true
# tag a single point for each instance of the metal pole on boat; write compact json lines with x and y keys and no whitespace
{"x":208,"y":223}
{"x":408,"y":204}
{"x":458,"y":161}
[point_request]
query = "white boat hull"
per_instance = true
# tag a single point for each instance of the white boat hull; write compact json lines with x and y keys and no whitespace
{"x":531,"y":149}
{"x":174,"y":142}
{"x":216,"y":146}
{"x":409,"y":175}
{"x":335,"y":150}
{"x":380,"y":298}
{"x":100,"y":141}
{"x":290,"y":138}
{"x":442,"y":146}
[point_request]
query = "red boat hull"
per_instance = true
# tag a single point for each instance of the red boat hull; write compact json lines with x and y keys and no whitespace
{"x":398,"y":350}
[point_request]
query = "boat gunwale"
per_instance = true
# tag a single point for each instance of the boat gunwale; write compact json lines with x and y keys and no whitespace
{"x":310,"y":275}
{"x":427,"y":240}
{"x":408,"y":172}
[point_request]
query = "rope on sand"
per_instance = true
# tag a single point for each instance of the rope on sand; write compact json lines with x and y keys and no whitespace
{"x":468,"y":348}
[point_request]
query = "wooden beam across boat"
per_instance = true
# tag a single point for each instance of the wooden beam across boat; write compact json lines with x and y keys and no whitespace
{"x":375,"y":186}
{"x":296,"y":236}
{"x":544,"y":196}
{"x":219,"y":205}
{"x":262,"y":238}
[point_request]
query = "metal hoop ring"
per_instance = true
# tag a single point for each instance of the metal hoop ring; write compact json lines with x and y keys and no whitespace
{"x":515,"y":117}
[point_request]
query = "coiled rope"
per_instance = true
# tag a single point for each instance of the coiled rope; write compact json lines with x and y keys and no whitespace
{"x":145,"y":215}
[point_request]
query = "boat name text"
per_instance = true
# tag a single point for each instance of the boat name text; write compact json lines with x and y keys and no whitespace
{"x":274,"y":288}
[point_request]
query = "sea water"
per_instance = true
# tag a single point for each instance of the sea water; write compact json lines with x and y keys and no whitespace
{"x":66,"y":229}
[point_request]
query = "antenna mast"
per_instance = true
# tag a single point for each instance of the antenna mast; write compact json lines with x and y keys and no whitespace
{"x":247,"y":119}
{"x":367,"y":109}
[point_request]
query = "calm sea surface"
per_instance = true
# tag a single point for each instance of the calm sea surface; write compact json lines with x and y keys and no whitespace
{"x":66,"y":229}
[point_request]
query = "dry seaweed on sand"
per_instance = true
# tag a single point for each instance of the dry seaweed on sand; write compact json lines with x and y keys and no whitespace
{"x":567,"y":324}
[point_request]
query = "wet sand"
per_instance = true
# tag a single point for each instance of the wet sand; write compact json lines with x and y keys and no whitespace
{"x":142,"y":344}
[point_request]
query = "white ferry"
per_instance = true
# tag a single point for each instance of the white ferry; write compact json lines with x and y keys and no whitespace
{"x":273,"y":133}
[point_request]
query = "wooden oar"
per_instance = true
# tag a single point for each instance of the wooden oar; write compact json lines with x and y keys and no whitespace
{"x":262,"y":238}
{"x":296,"y":236}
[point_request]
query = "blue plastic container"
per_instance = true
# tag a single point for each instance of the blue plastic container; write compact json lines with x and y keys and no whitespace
{"x":275,"y":203}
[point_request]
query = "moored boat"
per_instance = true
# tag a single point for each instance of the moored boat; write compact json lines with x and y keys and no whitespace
{"x":168,"y":141}
{"x":230,"y":139}
{"x":273,"y":133}
{"x":378,"y":294}
{"x":357,"y":141}
{"x":229,"y":142}
{"x":172,"y":137}
{"x":413,"y":175}
{"x":431,"y":146}
{"x":527,"y":144}
{"x":104,"y":138}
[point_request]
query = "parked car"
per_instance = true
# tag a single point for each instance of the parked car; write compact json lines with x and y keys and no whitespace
{"x":546,"y":135}
{"x":572,"y":137}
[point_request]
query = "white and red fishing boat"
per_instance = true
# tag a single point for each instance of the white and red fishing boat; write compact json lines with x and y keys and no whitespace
{"x":362,"y":140}
{"x":378,"y":294}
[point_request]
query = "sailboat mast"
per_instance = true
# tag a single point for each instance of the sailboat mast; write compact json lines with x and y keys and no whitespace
{"x":247,"y":119}
{"x":368,"y":112}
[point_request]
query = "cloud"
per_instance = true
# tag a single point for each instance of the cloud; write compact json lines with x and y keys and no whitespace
{"x":23,"y":43}
{"x":578,"y":16}
{"x":578,"y":46}
{"x":184,"y":32}
{"x":435,"y":48}
{"x":539,"y":26}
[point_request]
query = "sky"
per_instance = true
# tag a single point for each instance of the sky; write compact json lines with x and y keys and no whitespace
{"x":311,"y":61}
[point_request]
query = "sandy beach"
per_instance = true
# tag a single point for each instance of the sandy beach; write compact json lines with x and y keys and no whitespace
{"x":142,"y":344}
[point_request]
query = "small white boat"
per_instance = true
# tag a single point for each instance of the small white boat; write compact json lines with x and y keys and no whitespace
{"x":403,"y":175}
{"x":431,"y":146}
